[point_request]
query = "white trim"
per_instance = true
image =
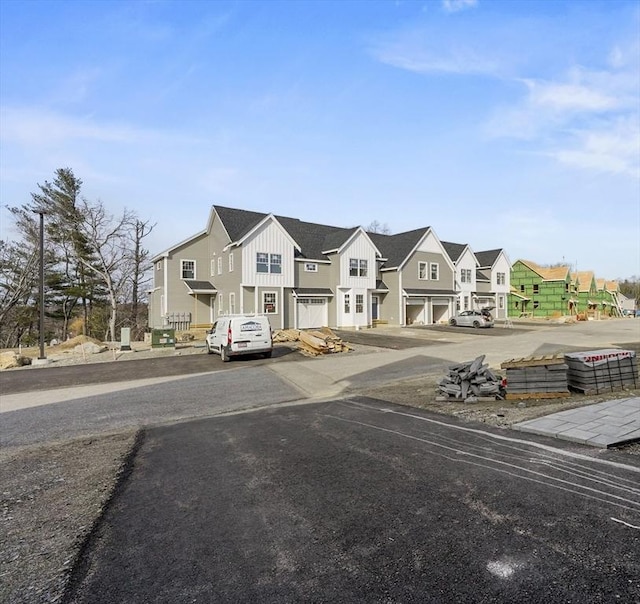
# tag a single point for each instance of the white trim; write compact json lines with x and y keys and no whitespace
{"x":181,"y":269}
{"x":262,"y":302}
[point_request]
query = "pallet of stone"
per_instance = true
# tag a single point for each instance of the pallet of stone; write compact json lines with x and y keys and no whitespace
{"x":471,"y":379}
{"x":605,"y":370}
{"x":542,"y":376}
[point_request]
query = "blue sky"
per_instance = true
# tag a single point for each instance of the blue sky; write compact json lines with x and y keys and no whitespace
{"x":510,"y":124}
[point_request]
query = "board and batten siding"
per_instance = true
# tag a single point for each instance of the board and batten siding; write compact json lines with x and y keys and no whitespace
{"x":362,"y":249}
{"x":269,"y":239}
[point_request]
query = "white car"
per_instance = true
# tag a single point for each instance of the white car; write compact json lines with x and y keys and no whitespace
{"x":240,"y":335}
{"x":472,"y":318}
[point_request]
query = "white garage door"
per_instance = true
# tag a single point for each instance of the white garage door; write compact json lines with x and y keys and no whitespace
{"x":312,"y":312}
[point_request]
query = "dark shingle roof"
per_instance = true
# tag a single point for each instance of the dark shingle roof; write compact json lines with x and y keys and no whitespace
{"x":200,"y":286}
{"x":488,"y":257}
{"x":312,"y":238}
{"x":454,"y":250}
{"x":396,"y":248}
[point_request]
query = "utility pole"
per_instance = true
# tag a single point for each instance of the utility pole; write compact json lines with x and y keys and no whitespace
{"x":42,"y":358}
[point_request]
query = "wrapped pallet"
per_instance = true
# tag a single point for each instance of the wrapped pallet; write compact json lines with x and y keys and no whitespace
{"x":596,"y":371}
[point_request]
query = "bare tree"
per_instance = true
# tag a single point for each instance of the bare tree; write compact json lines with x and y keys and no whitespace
{"x":377,"y":227}
{"x":18,"y":280}
{"x":139,"y":266}
{"x":107,"y":237}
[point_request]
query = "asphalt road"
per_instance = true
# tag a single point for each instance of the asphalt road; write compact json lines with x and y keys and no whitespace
{"x":201,"y":395}
{"x":31,"y":379}
{"x":359,"y":501}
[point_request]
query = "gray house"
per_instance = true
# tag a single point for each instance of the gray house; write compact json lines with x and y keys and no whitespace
{"x":301,"y":274}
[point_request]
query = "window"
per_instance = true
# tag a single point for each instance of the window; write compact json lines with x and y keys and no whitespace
{"x":187,"y":269}
{"x":501,"y":278}
{"x":500,"y":302}
{"x":522,"y":289}
{"x":536,"y":304}
{"x":457,"y":303}
{"x":231,"y":262}
{"x":269,"y":303}
{"x":517,"y":304}
{"x":310,"y":267}
{"x":434,"y":271}
{"x":275,"y":263}
{"x":158,"y":266}
{"x":268,"y":263}
{"x":347,"y":304}
{"x":358,"y":267}
{"x":422,"y":270}
{"x":465,"y":275}
{"x":219,"y":265}
{"x":232,"y":304}
{"x":536,"y":288}
{"x":262,"y":262}
{"x":359,"y":304}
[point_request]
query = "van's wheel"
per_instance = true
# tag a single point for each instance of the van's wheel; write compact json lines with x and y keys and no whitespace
{"x":452,"y":322}
{"x":476,"y":324}
{"x":209,"y":351}
{"x":224,"y":355}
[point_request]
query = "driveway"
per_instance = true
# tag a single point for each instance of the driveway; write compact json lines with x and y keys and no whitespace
{"x":357,"y":501}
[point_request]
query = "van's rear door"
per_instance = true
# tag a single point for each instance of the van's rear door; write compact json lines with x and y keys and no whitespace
{"x":251,"y":333}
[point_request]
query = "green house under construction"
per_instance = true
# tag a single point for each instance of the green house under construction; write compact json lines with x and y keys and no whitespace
{"x":537,"y":291}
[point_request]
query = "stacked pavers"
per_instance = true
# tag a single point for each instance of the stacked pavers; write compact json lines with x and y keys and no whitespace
{"x":536,"y":377}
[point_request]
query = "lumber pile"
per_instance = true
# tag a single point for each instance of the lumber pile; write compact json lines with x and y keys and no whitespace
{"x":313,"y":342}
{"x":536,"y":377}
{"x":596,"y":371}
{"x":286,"y":335}
{"x":471,"y":381}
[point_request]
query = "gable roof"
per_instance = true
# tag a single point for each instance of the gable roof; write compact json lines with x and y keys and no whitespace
{"x":487,"y":258}
{"x":396,"y":248}
{"x":584,"y":279}
{"x":314,"y":239}
{"x":556,"y":273}
{"x":454,"y":250}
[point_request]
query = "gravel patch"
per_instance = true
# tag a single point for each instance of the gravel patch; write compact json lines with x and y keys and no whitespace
{"x":50,"y":498}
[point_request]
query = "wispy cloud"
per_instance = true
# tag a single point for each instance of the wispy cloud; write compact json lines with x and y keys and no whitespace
{"x":36,"y":127}
{"x":455,"y":6}
{"x":588,"y":120}
{"x":419,"y":51}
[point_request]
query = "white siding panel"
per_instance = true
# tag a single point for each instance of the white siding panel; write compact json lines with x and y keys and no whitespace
{"x":430,"y":244}
{"x":362,"y":249}
{"x":270,"y":239}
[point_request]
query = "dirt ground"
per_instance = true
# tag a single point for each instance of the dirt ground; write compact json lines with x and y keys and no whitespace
{"x":52,"y":496}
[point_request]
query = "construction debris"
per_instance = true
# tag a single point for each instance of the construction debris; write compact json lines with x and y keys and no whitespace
{"x":313,"y":342}
{"x":597,"y":371}
{"x":471,"y":381}
{"x":536,"y":377}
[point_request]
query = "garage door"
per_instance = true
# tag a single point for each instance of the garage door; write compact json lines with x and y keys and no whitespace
{"x":312,"y":312}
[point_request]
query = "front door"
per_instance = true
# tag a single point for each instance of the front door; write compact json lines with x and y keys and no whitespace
{"x":375,"y":302}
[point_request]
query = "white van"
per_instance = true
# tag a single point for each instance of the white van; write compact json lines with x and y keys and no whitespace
{"x":240,"y":334}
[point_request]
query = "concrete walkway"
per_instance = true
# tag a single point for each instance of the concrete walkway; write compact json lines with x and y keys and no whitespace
{"x":604,"y":425}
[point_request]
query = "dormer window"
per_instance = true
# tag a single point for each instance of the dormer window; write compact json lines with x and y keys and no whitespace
{"x":358,"y":267}
{"x":310,"y":267}
{"x":268,"y":263}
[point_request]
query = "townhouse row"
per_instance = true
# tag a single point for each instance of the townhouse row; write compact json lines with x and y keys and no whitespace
{"x":307,"y":275}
